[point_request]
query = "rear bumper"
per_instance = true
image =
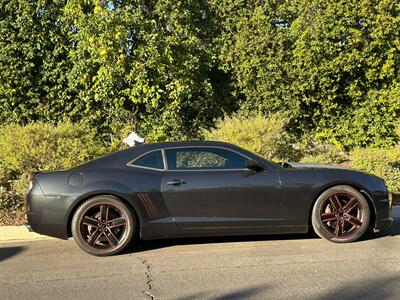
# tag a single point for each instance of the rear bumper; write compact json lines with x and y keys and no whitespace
{"x":42,"y":224}
{"x":46,"y":216}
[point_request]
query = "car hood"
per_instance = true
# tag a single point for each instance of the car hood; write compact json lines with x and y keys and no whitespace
{"x":296,"y":165}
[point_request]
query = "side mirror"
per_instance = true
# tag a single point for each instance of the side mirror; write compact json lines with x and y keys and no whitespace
{"x":254,"y":165}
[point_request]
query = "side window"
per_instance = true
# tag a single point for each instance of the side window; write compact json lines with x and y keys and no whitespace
{"x":152,"y":160}
{"x":198,"y":158}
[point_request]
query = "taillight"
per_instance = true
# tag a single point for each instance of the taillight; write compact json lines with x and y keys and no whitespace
{"x":30,"y":186}
{"x":27,"y":203}
{"x":32,"y":181}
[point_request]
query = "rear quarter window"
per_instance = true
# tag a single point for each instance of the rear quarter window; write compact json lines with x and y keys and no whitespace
{"x":152,"y":160}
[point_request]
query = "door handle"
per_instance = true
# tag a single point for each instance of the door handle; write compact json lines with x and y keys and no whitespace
{"x":176,"y":182}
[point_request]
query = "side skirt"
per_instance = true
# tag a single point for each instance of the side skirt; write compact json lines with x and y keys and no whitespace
{"x":163,"y":231}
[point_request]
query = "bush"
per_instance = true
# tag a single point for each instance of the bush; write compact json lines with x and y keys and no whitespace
{"x":263,"y":135}
{"x":40,"y":146}
{"x":8,"y":199}
{"x":384,"y":163}
{"x":316,"y":153}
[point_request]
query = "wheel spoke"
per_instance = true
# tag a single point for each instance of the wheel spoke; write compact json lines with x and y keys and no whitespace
{"x":107,"y":212}
{"x":90,"y":221}
{"x":351,"y":205}
{"x":103,"y":212}
{"x":354,"y":221}
{"x":111,"y":238}
{"x":335,"y":202}
{"x":94,"y":237}
{"x":117,"y":222}
{"x":330,"y":216}
{"x":339,"y":229}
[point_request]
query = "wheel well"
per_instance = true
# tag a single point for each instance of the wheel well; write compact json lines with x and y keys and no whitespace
{"x":129,"y":205}
{"x":362,"y":191}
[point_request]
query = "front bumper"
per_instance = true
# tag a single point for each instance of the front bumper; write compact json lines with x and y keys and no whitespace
{"x":384,"y":213}
{"x":384,"y":223}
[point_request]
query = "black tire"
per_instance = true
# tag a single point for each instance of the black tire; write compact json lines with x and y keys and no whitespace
{"x":103,"y":225}
{"x":341,"y":214}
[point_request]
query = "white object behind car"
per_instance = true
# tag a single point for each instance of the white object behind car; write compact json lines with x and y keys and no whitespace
{"x":133,"y":139}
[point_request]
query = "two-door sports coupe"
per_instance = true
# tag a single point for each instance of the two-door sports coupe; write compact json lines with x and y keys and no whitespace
{"x":186,"y":189}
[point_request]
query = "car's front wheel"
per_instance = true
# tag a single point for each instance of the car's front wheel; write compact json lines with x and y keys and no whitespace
{"x":103,"y":226}
{"x":341,"y":214}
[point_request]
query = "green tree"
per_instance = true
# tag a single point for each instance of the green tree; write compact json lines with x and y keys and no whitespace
{"x":112,"y":64}
{"x":33,"y":62}
{"x":265,"y":136}
{"x":333,"y":66}
{"x":169,"y":68}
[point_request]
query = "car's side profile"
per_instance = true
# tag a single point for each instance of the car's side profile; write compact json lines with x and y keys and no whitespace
{"x":185,"y":189}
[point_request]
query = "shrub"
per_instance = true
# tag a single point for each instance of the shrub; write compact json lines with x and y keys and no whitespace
{"x":9,"y":200}
{"x":40,"y":146}
{"x":317,"y":153}
{"x":384,"y":163}
{"x":263,"y":135}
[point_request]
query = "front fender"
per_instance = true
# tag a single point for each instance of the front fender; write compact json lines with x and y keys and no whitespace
{"x":301,"y":188}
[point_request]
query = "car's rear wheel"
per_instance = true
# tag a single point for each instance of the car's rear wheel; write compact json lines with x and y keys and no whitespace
{"x":103,"y":225}
{"x":341,"y":214}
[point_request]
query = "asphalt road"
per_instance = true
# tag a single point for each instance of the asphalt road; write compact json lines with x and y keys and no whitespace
{"x":272,"y":267}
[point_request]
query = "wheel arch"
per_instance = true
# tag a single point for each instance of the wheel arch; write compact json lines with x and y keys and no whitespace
{"x":355,"y":186}
{"x":131,"y":207}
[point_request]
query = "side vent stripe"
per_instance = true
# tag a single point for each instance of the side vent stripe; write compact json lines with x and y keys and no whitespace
{"x":152,"y":207}
{"x":148,"y":204}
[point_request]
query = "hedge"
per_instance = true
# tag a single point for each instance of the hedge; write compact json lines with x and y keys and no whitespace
{"x":40,"y":146}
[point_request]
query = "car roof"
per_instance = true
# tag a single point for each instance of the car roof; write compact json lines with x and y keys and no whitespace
{"x":164,"y":145}
{"x":124,"y":156}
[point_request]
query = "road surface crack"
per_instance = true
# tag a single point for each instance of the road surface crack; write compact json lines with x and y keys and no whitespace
{"x":149,"y":279}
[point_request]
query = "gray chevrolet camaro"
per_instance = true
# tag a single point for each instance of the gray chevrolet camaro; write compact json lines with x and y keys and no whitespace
{"x":187,"y":189}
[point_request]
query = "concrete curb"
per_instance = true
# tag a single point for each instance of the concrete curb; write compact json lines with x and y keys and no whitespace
{"x":18,"y":234}
{"x":21,"y":233}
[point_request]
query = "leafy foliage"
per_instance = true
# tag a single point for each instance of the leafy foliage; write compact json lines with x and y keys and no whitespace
{"x":168,"y":68}
{"x":384,"y":163}
{"x":33,"y":62}
{"x":112,"y":64}
{"x":42,"y":146}
{"x":265,"y":136}
{"x":317,"y":153}
{"x":332,"y":65}
{"x":37,"y":147}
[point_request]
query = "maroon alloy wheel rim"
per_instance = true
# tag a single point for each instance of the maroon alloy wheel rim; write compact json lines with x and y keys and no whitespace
{"x":342,"y":214}
{"x":103,"y":226}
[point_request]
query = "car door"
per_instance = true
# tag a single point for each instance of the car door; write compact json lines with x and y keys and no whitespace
{"x":210,"y":187}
